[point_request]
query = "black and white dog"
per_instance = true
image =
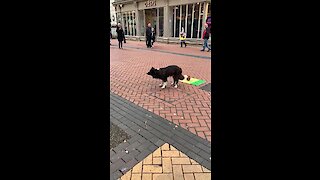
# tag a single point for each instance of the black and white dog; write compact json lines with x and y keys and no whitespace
{"x":164,"y":73}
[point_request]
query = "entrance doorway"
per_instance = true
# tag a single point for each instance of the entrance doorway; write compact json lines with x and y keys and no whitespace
{"x":151,"y":17}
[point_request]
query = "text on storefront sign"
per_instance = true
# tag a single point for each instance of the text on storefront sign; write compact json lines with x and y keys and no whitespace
{"x":150,"y":3}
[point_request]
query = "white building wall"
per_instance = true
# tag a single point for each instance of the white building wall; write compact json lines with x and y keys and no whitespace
{"x":112,"y":13}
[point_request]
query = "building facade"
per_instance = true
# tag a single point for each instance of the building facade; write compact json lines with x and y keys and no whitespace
{"x":167,"y":17}
{"x":113,"y":15}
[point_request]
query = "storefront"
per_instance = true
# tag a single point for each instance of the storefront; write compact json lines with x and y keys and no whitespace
{"x":167,"y":17}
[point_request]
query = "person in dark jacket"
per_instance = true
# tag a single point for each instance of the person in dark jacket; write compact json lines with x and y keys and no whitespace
{"x":120,"y":35}
{"x":149,"y":35}
{"x":205,"y":36}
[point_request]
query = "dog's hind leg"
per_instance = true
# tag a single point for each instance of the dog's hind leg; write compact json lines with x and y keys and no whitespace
{"x":175,"y":81}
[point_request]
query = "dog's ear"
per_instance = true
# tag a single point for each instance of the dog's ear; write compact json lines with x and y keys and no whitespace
{"x":152,"y":68}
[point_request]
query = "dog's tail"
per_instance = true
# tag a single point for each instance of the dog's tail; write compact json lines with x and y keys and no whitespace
{"x":182,"y":77}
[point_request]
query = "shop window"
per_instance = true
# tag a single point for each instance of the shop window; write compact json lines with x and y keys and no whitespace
{"x":161,"y":22}
{"x":131,"y":23}
{"x":195,"y":20}
{"x":177,"y":21}
{"x":200,"y":29}
{"x":189,"y":20}
{"x":202,"y":21}
{"x":128,"y":23}
{"x":183,"y":18}
{"x":173,"y":21}
{"x":134,"y":24}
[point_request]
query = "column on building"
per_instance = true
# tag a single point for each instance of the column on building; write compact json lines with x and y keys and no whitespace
{"x":137,"y":18}
{"x":167,"y":20}
{"x":122,"y":18}
{"x":157,"y":30}
{"x":144,"y":23}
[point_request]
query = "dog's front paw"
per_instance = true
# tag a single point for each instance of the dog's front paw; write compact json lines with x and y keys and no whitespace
{"x":160,"y":85}
{"x":163,"y":87}
{"x":176,"y":86}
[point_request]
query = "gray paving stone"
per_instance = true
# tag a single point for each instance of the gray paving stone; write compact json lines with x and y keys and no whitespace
{"x":195,"y":157}
{"x":130,"y":132}
{"x":115,"y":121}
{"x":143,"y":155}
{"x":146,"y":134}
{"x":186,"y":144}
{"x":204,"y":154}
{"x":128,"y":157}
{"x":152,"y":147}
{"x":206,"y":87}
{"x":135,"y":138}
{"x":207,"y":164}
{"x":118,"y":156}
{"x":112,"y":153}
{"x":144,"y":146}
{"x":142,"y":140}
{"x":121,"y":147}
{"x":122,"y":126}
{"x":204,"y":147}
{"x":167,"y":139}
{"x":154,"y":139}
{"x":114,"y":158}
{"x":159,"y":143}
{"x":133,"y":146}
{"x":116,"y":165}
{"x":129,"y":165}
{"x":181,"y":147}
{"x":116,"y":175}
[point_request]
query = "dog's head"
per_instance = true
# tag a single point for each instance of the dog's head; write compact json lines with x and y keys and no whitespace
{"x":153,"y":72}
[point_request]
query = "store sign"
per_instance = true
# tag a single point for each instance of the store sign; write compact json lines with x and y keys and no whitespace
{"x":150,"y":3}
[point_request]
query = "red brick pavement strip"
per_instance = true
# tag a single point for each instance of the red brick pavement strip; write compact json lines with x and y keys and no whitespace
{"x":187,"y":106}
{"x":191,"y":50}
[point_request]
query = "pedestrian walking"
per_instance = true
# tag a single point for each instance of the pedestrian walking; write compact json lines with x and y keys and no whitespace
{"x":149,"y":35}
{"x":153,"y":36}
{"x":205,"y":36}
{"x":120,"y":35}
{"x":183,"y":38}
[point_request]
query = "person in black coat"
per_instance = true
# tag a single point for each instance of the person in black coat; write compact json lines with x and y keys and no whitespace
{"x":120,"y":35}
{"x":149,"y":35}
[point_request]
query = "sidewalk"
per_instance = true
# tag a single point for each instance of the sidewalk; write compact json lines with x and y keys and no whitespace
{"x":175,"y":48}
{"x":156,"y":147}
{"x":188,"y":106}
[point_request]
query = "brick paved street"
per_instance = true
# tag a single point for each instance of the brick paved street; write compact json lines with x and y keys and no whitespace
{"x":188,"y":106}
{"x":148,"y":132}
{"x":167,"y":163}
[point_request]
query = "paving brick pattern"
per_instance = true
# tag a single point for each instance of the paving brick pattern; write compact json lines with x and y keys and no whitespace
{"x":167,"y":163}
{"x":188,"y":106}
{"x":148,"y":132}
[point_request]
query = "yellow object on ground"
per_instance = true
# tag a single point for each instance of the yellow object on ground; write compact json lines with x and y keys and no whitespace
{"x":194,"y":81}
